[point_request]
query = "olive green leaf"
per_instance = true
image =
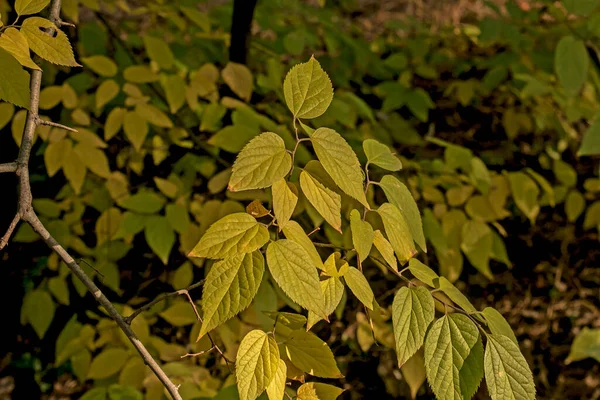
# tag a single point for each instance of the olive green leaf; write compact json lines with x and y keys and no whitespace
{"x":234,"y":234}
{"x":362,"y":235}
{"x":158,"y":51}
{"x":312,"y":355}
{"x":14,"y":81}
{"x":413,"y":372}
{"x":107,"y":91}
{"x":230,"y":286}
{"x":497,"y":324}
{"x":284,"y":202}
{"x":525,"y":193}
{"x":359,"y":286}
{"x":385,"y":248}
{"x":325,"y":201}
{"x":143,"y":202}
{"x":256,"y":364}
{"x":456,"y":295}
{"x":101,"y":65}
{"x":261,"y":163}
{"x":13,"y":41}
{"x":454,"y":357}
{"x":38,"y":310}
{"x":397,"y":231}
{"x":413,"y":310}
{"x":423,"y":273}
{"x":586,"y":344}
{"x":54,"y":48}
{"x":477,"y":243}
{"x":340,"y":162}
{"x":159,"y":236}
{"x":379,"y":154}
{"x":136,"y":129}
{"x":108,"y":363}
{"x":571,"y":63}
{"x":293,"y":231}
{"x":239,"y":78}
{"x":399,"y":195}
{"x":507,"y":374}
{"x":291,"y":267}
{"x":308,"y":90}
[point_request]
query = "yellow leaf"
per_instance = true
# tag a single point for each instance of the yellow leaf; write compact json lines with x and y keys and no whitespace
{"x":284,"y":202}
{"x":27,"y":7}
{"x":158,"y":51}
{"x":256,"y":364}
{"x":312,"y":355}
{"x":114,"y":122}
{"x":50,"y":97}
{"x":153,"y":115}
{"x":107,"y":225}
{"x":74,"y":170}
{"x":13,"y":41}
{"x":54,"y":48}
{"x":174,"y":88}
{"x":239,"y":78}
{"x":54,"y":155}
{"x":325,"y":201}
{"x":107,"y":91}
{"x":108,"y":363}
{"x":275,"y":389}
{"x":308,"y":90}
{"x":136,"y":129}
{"x":101,"y":65}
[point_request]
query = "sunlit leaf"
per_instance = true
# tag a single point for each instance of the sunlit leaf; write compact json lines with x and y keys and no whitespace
{"x":257,"y":363}
{"x":308,"y":91}
{"x":54,"y":48}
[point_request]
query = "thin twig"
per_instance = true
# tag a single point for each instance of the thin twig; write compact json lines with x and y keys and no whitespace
{"x":54,"y":124}
{"x":10,"y":230}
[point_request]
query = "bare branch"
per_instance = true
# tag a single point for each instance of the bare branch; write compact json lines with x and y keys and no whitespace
{"x":9,"y":231}
{"x":56,"y":125}
{"x":8,"y":167}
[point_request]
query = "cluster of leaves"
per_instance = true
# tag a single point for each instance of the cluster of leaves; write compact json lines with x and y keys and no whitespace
{"x":149,"y":169}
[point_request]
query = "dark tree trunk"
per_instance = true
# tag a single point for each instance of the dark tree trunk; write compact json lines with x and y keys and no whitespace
{"x":241,"y":24}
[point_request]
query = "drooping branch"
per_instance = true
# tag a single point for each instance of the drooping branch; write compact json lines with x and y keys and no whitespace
{"x":26,"y":213}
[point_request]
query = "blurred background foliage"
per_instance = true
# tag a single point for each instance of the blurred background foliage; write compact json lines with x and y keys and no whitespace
{"x":490,"y":106}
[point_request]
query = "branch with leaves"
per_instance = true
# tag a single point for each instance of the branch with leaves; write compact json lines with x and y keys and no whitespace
{"x":50,"y":43}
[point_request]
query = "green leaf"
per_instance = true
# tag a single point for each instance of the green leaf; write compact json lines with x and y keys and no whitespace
{"x":136,"y":129}
{"x":130,"y":224}
{"x":454,"y":357}
{"x":479,"y":175}
{"x":327,"y":202}
{"x":340,"y":162}
{"x":456,"y":295}
{"x":178,"y":217}
{"x":590,"y":145}
{"x":93,"y":158}
{"x":385,"y":248}
{"x":239,"y":78}
{"x":571,"y":63}
{"x":507,"y":374}
{"x":14,"y":42}
{"x":525,"y":193}
{"x":381,"y":155}
{"x":580,"y":7}
{"x":174,"y":87}
{"x":423,"y":273}
{"x":284,"y":202}
{"x":397,"y":231}
{"x":256,"y":364}
{"x":308,"y":90}
{"x":230,"y":287}
{"x":108,"y":363}
{"x":293,"y":231}
{"x":233,"y":138}
{"x":359,"y":286}
{"x":399,"y":195}
{"x":196,"y":16}
{"x":97,"y":393}
{"x":107,"y":225}
{"x":413,"y":372}
{"x":276,"y":388}
{"x":59,"y":289}
{"x":574,"y":205}
{"x":74,"y":169}
{"x":38,"y":309}
{"x":413,"y":310}
{"x":333,"y":290}
{"x":586,"y":344}
{"x":114,"y":122}
{"x":292,"y":269}
{"x":139,"y":74}
{"x":54,"y":48}
{"x":180,"y":314}
{"x":235,"y":234}
{"x":107,"y":91}
{"x":362,"y":235}
{"x":28,"y":7}
{"x":322,"y":391}
{"x":497,"y":324}
{"x":312,"y":355}
{"x":158,"y":51}
{"x":261,"y":163}
{"x":159,"y":236}
{"x":477,"y":245}
{"x":54,"y":155}
{"x":14,"y":81}
{"x":101,"y":65}
{"x":153,"y":115}
{"x":143,"y":202}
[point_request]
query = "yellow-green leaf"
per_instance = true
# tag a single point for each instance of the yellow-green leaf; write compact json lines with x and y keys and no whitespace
{"x":477,"y":243}
{"x":507,"y":374}
{"x":139,"y":74}
{"x":28,"y":7}
{"x":54,"y":48}
{"x":291,"y":267}
{"x":256,"y":364}
{"x":239,"y":78}
{"x":413,"y":372}
{"x":312,"y":355}
{"x":284,"y":202}
{"x":308,"y":90}
{"x":525,"y":193}
{"x":333,"y":290}
{"x":180,"y":314}
{"x":93,"y":158}
{"x":397,"y":231}
{"x":340,"y":162}
{"x":101,"y":65}
{"x":114,"y":122}
{"x":359,"y":286}
{"x":327,"y":202}
{"x":293,"y":231}
{"x":74,"y":169}
{"x":362,"y":235}
{"x":107,"y":91}
{"x":379,"y":154}
{"x":385,"y":248}
{"x":159,"y":236}
{"x":108,"y":363}
{"x":136,"y":129}
{"x":38,"y":310}
{"x":275,"y":389}
{"x":14,"y":81}
{"x":143,"y":202}
{"x":230,"y":287}
{"x":574,"y":205}
{"x":456,"y":295}
{"x":586,"y":344}
{"x":153,"y":115}
{"x":13,"y":41}
{"x":235,"y":234}
{"x":322,"y":391}
{"x":261,"y":163}
{"x":498,"y":324}
{"x":423,"y":273}
{"x":54,"y":155}
{"x":107,"y":225}
{"x":174,"y":87}
{"x":158,"y":51}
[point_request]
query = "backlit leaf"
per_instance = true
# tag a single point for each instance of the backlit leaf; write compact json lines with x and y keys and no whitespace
{"x":54,"y":48}
{"x":74,"y":169}
{"x":497,"y":324}
{"x":14,"y":42}
{"x":174,"y":87}
{"x":153,"y":115}
{"x":322,"y":391}
{"x":359,"y":286}
{"x":413,"y":372}
{"x":325,"y":201}
{"x":284,"y":202}
{"x":362,"y":235}
{"x":230,"y":286}
{"x":293,"y":231}
{"x":291,"y":267}
{"x":139,"y":74}
{"x":397,"y":231}
{"x":276,"y":388}
{"x":256,"y":364}
{"x":114,"y":122}
{"x":308,"y":90}
{"x":586,"y":344}
{"x":312,"y":355}
{"x":262,"y":162}
{"x":340,"y":162}
{"x":379,"y":154}
{"x":54,"y":155}
{"x":413,"y":310}
{"x":333,"y":290}
{"x":93,"y":158}
{"x":525,"y":193}
{"x":456,"y":295}
{"x":507,"y":374}
{"x":423,"y":273}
